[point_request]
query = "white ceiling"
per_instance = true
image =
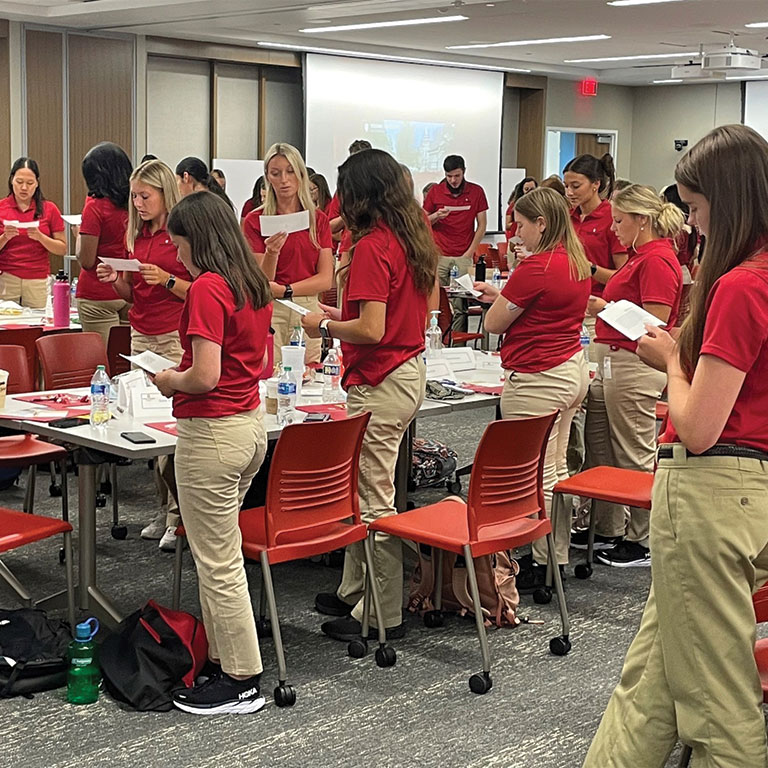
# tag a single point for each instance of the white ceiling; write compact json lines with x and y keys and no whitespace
{"x":660,"y":28}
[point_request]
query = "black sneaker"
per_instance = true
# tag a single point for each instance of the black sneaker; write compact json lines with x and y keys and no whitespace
{"x":221,"y":694}
{"x":331,"y":604}
{"x":626,"y":554}
{"x":530,"y":579}
{"x":347,"y":629}
{"x":579,"y":540}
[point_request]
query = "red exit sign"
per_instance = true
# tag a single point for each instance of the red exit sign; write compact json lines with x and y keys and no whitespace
{"x":588,"y":86}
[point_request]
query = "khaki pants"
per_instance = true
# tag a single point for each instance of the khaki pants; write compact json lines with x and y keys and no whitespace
{"x":690,"y":671}
{"x":444,"y":267}
{"x":561,"y":388}
{"x":28,"y":293}
{"x":216,"y":459}
{"x":393,"y":404}
{"x":285,"y":320}
{"x":101,"y":316}
{"x":167,"y":345}
{"x":621,"y":432}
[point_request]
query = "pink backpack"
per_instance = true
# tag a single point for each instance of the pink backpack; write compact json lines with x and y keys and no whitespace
{"x":495,"y":581}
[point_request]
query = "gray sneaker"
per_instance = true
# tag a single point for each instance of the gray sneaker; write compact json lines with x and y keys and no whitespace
{"x":155,"y":530}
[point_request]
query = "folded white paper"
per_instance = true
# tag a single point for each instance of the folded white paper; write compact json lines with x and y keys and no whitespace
{"x":453,"y":208}
{"x":438,"y":369}
{"x":460,"y":358}
{"x":122,"y":265}
{"x":465,"y":283}
{"x":295,"y":307}
{"x":21,"y":224}
{"x":150,"y":361}
{"x":629,"y":319}
{"x":286,"y":222}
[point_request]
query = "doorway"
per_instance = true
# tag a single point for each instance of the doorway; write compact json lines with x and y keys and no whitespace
{"x":563,"y":144}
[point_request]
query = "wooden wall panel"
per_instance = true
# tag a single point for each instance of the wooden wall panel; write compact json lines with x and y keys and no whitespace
{"x":5,"y":114}
{"x":100,"y":101}
{"x":530,"y":142}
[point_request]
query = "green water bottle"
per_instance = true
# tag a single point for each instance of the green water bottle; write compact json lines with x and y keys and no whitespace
{"x":84,"y":675}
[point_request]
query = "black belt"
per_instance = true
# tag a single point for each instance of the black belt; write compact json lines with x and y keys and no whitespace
{"x":740,"y":451}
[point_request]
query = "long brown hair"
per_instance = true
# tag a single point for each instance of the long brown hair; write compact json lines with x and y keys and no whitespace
{"x":729,"y":167}
{"x":372,"y":189}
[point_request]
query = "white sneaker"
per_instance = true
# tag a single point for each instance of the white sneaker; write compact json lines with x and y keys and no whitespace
{"x":155,"y":529}
{"x":168,"y":540}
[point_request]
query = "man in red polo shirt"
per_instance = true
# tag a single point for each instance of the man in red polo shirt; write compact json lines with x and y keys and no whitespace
{"x":457,"y":212}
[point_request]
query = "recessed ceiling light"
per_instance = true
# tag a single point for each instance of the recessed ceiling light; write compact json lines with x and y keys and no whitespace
{"x":757,"y":24}
{"x":539,"y":41}
{"x":380,"y":24}
{"x":671,"y":80}
{"x":387,"y":57}
{"x":635,"y":58}
{"x":747,"y":77}
{"x":640,"y":2}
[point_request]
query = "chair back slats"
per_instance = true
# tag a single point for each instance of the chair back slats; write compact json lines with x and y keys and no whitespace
{"x":13,"y":359}
{"x":69,"y":359}
{"x":504,"y":493}
{"x":313,"y":479}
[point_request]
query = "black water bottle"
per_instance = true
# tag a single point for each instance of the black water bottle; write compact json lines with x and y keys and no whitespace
{"x":480,"y":269}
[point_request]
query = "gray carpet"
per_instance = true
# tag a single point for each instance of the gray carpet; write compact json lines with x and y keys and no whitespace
{"x":541,"y":712}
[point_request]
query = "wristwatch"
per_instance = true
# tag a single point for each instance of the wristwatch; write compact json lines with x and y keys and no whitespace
{"x":593,"y":268}
{"x":288,"y":292}
{"x":325,"y":332}
{"x":170,"y":282}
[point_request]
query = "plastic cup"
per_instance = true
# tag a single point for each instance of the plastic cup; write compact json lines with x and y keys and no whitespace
{"x":3,"y":387}
{"x":294,"y":357}
{"x":271,"y":399}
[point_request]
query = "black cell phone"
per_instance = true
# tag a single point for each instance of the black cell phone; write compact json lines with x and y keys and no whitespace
{"x":69,"y":421}
{"x":313,"y":417}
{"x":139,"y":438}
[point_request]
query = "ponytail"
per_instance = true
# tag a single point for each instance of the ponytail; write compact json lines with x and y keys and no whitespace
{"x":609,"y":172}
{"x":666,"y":219}
{"x":602,"y":171}
{"x":198,"y":170}
{"x":670,"y":221}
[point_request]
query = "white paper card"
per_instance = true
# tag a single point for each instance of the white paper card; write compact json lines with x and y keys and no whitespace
{"x":122,"y":265}
{"x":21,"y":224}
{"x":287,"y":222}
{"x":150,"y":361}
{"x":75,"y":219}
{"x":457,"y":207}
{"x":460,"y":358}
{"x":465,"y":283}
{"x":628,"y":318}
{"x":438,"y":369}
{"x":295,"y":307}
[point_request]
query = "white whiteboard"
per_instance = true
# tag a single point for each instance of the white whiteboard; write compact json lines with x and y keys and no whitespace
{"x":510,"y":178}
{"x":756,"y":107}
{"x":241,"y":176}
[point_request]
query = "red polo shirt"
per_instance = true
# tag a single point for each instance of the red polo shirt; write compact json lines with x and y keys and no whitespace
{"x":298,"y":256}
{"x":455,"y":232}
{"x":22,"y":256}
{"x":599,"y":242}
{"x":104,"y":220}
{"x":554,"y":301}
{"x":512,"y":230}
{"x":736,"y":330}
{"x":210,"y":313}
{"x":155,"y":309}
{"x":379,"y":272}
{"x":653,"y":275}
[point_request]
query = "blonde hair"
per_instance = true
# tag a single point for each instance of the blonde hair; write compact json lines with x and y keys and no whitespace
{"x":551,"y":206}
{"x":296,"y":161}
{"x":153,"y":173}
{"x":666,"y":219}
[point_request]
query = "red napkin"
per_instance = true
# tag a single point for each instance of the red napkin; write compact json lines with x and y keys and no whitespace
{"x":169,"y":427}
{"x":483,"y":390}
{"x":338,"y":411}
{"x":60,"y":401}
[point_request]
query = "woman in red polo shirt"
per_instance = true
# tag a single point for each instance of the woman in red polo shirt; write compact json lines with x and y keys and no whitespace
{"x":24,"y":263}
{"x":385,"y":286}
{"x":299,"y":265}
{"x":157,"y":292}
{"x":690,"y":674}
{"x":258,"y":195}
{"x":540,"y":312}
{"x":321,"y":194}
{"x":620,"y":429}
{"x":107,"y":172}
{"x":522,"y":188}
{"x":222,"y":441}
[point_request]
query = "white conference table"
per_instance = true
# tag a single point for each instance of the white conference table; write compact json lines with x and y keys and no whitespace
{"x":91,"y":443}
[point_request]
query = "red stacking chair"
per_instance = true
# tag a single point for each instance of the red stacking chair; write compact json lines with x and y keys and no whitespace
{"x":25,"y":451}
{"x":445,"y":320}
{"x":312,"y":508}
{"x":18,"y":529}
{"x":119,"y":343}
{"x":504,"y":510}
{"x":760,"y":603}
{"x":24,"y":337}
{"x":618,"y":486}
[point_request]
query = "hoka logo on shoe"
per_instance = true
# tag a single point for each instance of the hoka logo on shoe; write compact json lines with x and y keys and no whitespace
{"x":247,"y":694}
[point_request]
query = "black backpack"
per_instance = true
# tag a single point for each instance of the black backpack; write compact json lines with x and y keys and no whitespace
{"x":33,"y":652}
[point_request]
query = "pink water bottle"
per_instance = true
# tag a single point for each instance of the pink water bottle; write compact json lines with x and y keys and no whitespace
{"x":61,"y":301}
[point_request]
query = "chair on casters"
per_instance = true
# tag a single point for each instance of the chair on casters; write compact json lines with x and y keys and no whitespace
{"x":504,"y":510}
{"x":611,"y":484}
{"x":760,"y":603}
{"x":312,"y":508}
{"x":68,"y":360}
{"x":445,"y":320}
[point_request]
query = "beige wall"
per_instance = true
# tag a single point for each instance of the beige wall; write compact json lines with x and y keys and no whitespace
{"x":667,"y":112}
{"x":611,"y":109}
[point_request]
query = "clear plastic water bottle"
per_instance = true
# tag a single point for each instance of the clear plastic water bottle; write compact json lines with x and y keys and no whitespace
{"x":584,"y":339}
{"x":496,"y":278}
{"x":83,"y":675}
{"x":454,"y":271}
{"x":297,"y":337}
{"x":100,"y":386}
{"x":332,"y":392}
{"x":286,"y":397}
{"x":73,"y":294}
{"x":433,"y":340}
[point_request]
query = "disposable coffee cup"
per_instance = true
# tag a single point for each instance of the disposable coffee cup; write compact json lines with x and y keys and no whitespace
{"x":294,"y":357}
{"x":3,"y":387}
